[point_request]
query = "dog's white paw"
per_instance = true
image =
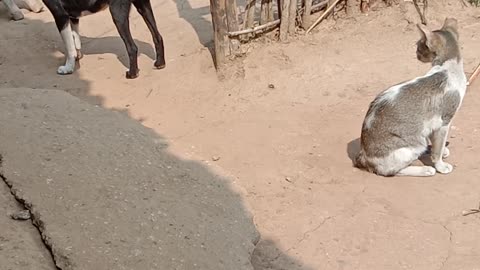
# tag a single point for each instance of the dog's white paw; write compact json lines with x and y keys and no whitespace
{"x":64,"y":70}
{"x":443,"y":167}
{"x":446,"y":152}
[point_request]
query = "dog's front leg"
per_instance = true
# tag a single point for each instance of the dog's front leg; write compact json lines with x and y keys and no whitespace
{"x":62,"y":20}
{"x":75,"y":22}
{"x":71,"y":52}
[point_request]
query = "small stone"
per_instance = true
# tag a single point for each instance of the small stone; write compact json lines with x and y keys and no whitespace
{"x":271,"y":86}
{"x":215,"y":158}
{"x":288,"y":179}
{"x":21,"y":215}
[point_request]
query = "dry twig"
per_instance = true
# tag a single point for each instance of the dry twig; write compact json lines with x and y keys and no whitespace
{"x":324,"y":14}
{"x":474,"y":75}
{"x":422,"y":15}
{"x":471,"y":211}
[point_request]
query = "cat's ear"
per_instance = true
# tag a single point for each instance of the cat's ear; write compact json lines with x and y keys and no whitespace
{"x":426,"y":34}
{"x":451,"y":25}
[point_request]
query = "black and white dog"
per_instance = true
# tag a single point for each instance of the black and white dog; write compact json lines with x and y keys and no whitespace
{"x":67,"y":13}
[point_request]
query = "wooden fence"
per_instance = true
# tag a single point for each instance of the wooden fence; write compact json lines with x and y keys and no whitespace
{"x":235,"y":22}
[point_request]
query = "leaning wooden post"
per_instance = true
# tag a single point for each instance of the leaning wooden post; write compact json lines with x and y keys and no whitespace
{"x":219,"y":22}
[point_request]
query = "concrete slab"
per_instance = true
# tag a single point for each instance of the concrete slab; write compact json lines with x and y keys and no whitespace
{"x":106,"y":194}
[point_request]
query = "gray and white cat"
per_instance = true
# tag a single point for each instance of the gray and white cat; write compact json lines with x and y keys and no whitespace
{"x":402,"y":120}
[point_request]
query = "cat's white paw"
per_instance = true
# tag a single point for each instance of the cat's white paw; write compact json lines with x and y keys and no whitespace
{"x":443,"y":167}
{"x":446,"y":152}
{"x":429,"y":171}
{"x":64,"y":70}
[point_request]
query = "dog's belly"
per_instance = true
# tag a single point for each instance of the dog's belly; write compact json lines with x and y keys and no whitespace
{"x":79,"y":8}
{"x":88,"y":12}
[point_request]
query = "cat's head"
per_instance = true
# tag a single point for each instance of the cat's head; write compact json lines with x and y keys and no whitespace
{"x":440,"y":45}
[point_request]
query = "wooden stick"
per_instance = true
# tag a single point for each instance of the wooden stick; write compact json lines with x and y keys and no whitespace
{"x":279,"y":8}
{"x":330,"y":8}
{"x":292,"y":16}
{"x":217,"y":8}
{"x":232,"y":23}
{"x":284,"y":20}
{"x":471,"y":211}
{"x":250,"y":13}
{"x":422,"y":16}
{"x":474,"y":75}
{"x":254,"y":29}
{"x":264,"y":12}
{"x":319,"y":6}
{"x":425,"y":6}
{"x":270,"y":11}
{"x":307,"y":12}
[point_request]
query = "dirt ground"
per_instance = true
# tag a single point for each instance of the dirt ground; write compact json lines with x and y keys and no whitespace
{"x":288,"y":146}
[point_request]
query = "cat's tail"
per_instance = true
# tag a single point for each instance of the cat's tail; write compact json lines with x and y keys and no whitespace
{"x":360,"y":161}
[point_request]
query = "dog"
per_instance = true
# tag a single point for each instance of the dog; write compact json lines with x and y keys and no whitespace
{"x":68,"y":12}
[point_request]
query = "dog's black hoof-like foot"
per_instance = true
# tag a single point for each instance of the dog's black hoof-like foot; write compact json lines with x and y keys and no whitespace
{"x":159,"y":64}
{"x":131,"y":75}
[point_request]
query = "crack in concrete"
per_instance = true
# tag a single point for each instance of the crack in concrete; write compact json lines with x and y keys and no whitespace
{"x":444,"y":262}
{"x":36,"y":222}
{"x":306,"y":233}
{"x":450,"y":239}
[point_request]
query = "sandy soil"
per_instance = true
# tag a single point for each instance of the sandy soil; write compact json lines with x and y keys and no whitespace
{"x":289,"y":146}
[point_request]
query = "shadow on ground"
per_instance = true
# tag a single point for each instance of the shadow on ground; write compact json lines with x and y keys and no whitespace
{"x":196,"y":17}
{"x":30,"y":55}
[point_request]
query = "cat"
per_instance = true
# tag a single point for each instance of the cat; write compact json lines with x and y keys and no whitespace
{"x":402,"y":120}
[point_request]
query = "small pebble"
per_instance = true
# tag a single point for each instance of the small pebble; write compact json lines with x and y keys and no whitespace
{"x":215,"y":158}
{"x":271,"y":86}
{"x":21,"y":215}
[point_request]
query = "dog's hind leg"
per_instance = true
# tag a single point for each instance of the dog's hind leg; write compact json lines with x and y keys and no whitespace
{"x":145,"y":9}
{"x":120,"y":10}
{"x":74,"y":22}
{"x":62,"y":20}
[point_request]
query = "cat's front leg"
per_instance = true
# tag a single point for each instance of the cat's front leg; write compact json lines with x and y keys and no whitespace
{"x":439,"y":138}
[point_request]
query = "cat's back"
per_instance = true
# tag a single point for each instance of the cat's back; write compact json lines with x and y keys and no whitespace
{"x":407,"y":102}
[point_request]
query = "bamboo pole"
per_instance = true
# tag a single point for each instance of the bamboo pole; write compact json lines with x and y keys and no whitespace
{"x":254,"y":29}
{"x":324,"y":14}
